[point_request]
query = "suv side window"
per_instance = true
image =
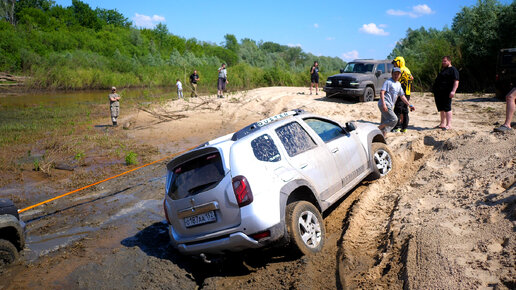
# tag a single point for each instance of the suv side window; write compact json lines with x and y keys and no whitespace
{"x":390,"y":66}
{"x":295,"y":139}
{"x":381,"y":66}
{"x":264,"y":149}
{"x":326,"y":130}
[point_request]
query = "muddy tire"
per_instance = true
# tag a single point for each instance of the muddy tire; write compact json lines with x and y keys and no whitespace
{"x":305,"y":228}
{"x":8,"y":253}
{"x":368,"y":95}
{"x":381,"y":159}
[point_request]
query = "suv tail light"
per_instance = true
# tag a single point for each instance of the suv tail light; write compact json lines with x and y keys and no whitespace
{"x":242,"y":190}
{"x":165,"y":209}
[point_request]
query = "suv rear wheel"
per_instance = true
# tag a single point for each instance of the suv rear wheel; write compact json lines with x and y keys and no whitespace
{"x":368,"y":95}
{"x":381,"y":159}
{"x":305,"y":227}
{"x":8,"y":253}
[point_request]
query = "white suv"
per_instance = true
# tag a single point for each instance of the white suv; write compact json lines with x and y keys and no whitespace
{"x":268,"y":183}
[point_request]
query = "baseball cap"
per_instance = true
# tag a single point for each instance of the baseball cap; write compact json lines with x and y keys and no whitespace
{"x":396,"y":69}
{"x":113,"y":88}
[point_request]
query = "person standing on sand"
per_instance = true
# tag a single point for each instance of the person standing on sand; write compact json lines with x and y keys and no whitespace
{"x":391,"y":89}
{"x":222,"y":81}
{"x":314,"y":77}
{"x":194,"y":78}
{"x":114,"y":105}
{"x":444,"y":88}
{"x":179,"y":86}
{"x":510,"y":101}
{"x":400,"y":109}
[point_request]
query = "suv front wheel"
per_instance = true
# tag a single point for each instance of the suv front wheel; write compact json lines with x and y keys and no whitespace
{"x":381,"y":159}
{"x":8,"y":253}
{"x":305,"y":227}
{"x":368,"y":95}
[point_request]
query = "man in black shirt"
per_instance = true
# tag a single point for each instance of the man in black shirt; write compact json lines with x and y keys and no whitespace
{"x":444,"y":89}
{"x":194,"y":78}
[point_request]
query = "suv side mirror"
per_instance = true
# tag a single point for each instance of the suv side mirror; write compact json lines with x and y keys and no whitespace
{"x":350,"y":126}
{"x":378,"y":73}
{"x":341,"y":70}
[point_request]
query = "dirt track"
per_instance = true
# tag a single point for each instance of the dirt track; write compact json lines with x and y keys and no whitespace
{"x":445,"y":218}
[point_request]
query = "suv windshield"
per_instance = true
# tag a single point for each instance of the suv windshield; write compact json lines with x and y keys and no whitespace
{"x":196,"y":176}
{"x":508,"y":59}
{"x":358,"y":67}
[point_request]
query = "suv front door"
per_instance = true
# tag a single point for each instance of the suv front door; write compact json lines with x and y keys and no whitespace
{"x":381,"y":77}
{"x":314,"y":162}
{"x":347,"y":150}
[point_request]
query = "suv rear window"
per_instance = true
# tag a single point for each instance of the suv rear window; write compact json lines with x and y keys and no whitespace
{"x":195,"y":176}
{"x":295,"y":139}
{"x":264,"y":149}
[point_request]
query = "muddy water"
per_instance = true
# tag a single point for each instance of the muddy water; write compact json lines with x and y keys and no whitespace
{"x":70,"y":98}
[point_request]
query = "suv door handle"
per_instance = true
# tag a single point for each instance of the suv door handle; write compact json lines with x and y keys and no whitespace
{"x":303,"y":165}
{"x":335,"y":150}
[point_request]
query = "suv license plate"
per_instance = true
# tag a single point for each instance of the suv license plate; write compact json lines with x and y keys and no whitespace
{"x":200,"y":219}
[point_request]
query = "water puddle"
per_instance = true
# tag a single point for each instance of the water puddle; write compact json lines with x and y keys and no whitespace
{"x":41,"y":245}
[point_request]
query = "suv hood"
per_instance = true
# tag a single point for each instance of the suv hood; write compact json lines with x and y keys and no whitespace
{"x":352,"y":76}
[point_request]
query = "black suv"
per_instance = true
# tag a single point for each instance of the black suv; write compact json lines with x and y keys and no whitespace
{"x":12,"y":232}
{"x":505,"y":72}
{"x":362,"y":78}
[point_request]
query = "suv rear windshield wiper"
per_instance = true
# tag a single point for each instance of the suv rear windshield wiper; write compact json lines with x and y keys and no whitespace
{"x":199,"y":188}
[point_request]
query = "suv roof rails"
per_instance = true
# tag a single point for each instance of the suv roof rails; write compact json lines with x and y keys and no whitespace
{"x":258,"y":125}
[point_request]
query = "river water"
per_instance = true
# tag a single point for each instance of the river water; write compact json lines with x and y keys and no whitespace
{"x":69,"y":98}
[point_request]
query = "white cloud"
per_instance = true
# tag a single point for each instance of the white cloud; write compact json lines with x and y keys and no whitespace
{"x":330,"y":38}
{"x":417,"y":11}
{"x":351,"y":55}
{"x":145,"y":21}
{"x":371,"y":28}
{"x":294,"y":45}
{"x":422,"y":9}
{"x":316,"y":25}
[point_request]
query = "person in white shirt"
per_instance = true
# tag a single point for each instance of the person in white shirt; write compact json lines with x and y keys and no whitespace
{"x":179,"y":89}
{"x":391,"y":89}
{"x":222,"y":81}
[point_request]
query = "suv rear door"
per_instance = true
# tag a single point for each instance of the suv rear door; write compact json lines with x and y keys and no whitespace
{"x":314,"y":162}
{"x":200,"y":194}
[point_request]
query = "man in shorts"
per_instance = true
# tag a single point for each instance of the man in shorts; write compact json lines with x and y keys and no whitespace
{"x":444,"y":89}
{"x":390,"y":92}
{"x":314,"y":77}
{"x":222,"y":81}
{"x":510,"y":101}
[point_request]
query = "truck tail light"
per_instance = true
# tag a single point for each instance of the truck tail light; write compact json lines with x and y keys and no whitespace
{"x":165,"y":209}
{"x":242,"y":190}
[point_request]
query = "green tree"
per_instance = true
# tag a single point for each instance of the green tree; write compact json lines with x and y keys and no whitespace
{"x":112,"y":17}
{"x":7,"y":10}
{"x":85,"y":15}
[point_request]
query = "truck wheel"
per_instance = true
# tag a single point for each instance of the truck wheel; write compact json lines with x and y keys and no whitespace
{"x":305,"y":227}
{"x":368,"y":95}
{"x":8,"y":253}
{"x":381,"y":160}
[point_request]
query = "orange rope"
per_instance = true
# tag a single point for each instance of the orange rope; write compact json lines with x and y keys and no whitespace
{"x":109,"y":178}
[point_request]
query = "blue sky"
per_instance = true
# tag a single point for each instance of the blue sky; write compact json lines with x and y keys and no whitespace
{"x":345,"y":29}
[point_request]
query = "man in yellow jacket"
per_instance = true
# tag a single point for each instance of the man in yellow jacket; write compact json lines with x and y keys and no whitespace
{"x":400,"y":109}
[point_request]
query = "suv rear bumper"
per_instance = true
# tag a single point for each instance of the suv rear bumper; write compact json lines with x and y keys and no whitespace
{"x":344,"y":91}
{"x":233,"y":242}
